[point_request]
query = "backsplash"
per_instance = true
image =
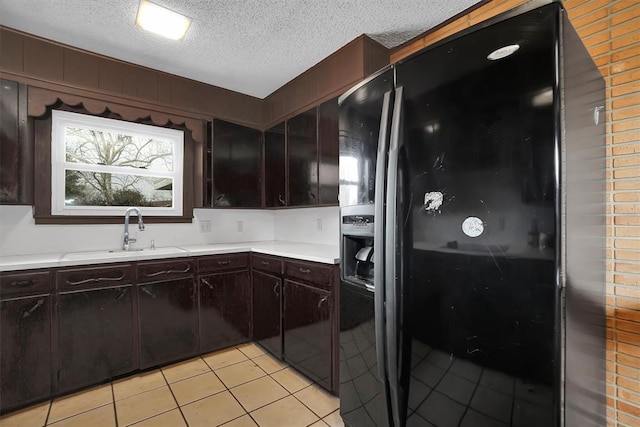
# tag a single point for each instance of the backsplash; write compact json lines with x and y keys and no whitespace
{"x":308,"y":225}
{"x":19,"y":235}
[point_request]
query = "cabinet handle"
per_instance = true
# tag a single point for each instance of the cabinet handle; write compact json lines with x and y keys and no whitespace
{"x":225,"y":262}
{"x":158,"y":273}
{"x":122,"y":293}
{"x":313,"y":196}
{"x":93,"y":280}
{"x":322,"y":301}
{"x":275,"y":289}
{"x":304,"y":270}
{"x":147,"y":291}
{"x":209,"y":285}
{"x":264,"y":262}
{"x":22,"y":283}
{"x":34,"y":308}
{"x":280,"y":199}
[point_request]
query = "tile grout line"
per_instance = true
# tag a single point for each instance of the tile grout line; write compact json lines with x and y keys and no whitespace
{"x":281,"y":385}
{"x":77,"y":393}
{"x":306,"y":406}
{"x":174,"y":396}
{"x":234,"y":396}
{"x":252,"y":358}
{"x":115,"y":410}
{"x":313,"y":383}
{"x":46,"y":419}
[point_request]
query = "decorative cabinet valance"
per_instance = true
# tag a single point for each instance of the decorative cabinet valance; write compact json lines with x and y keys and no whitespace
{"x":39,"y":99}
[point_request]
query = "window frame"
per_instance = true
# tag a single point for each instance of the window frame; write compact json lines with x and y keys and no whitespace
{"x":41,"y":102}
{"x":61,"y":119}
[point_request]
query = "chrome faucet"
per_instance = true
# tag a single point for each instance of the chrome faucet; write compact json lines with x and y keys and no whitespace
{"x":127,"y":241}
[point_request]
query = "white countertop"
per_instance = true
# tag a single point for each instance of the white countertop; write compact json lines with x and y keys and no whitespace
{"x":327,"y":254}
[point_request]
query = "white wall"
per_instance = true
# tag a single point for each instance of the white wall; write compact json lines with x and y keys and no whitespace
{"x":301,"y":225}
{"x":19,"y":235}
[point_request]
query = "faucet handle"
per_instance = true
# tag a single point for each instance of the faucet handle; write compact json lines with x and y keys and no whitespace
{"x":130,"y":240}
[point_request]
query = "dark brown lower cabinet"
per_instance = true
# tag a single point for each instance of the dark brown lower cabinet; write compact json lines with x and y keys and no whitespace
{"x":25,"y":343}
{"x":113,"y":319}
{"x":168,"y":321}
{"x":267,"y":291}
{"x":95,"y":336}
{"x":307,"y":330}
{"x":225,"y":310}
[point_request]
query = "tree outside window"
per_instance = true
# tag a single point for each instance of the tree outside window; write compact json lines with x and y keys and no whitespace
{"x":104,"y":163}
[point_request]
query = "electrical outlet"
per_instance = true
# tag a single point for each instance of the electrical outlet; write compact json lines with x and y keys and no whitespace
{"x":205,"y":226}
{"x":239,"y":226}
{"x":319,"y":224}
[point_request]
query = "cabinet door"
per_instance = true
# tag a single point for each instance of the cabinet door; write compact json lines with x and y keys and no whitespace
{"x":266,"y":312}
{"x":168,"y":321}
{"x":95,"y":338}
{"x":25,"y":350}
{"x":274,"y":166}
{"x":307,"y":330}
{"x":328,"y":152}
{"x":237,"y":301}
{"x":237,"y":161}
{"x":225,"y":314}
{"x":302,"y":158}
{"x":15,"y":167}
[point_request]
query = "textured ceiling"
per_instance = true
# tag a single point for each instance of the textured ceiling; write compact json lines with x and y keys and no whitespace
{"x":249,"y":46}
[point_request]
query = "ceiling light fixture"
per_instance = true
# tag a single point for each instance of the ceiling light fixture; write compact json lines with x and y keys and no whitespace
{"x":503,"y":52}
{"x":162,"y":21}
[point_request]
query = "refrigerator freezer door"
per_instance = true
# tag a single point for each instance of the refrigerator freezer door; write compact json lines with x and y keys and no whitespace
{"x":364,"y":118}
{"x":360,"y":115}
{"x":480,"y":138}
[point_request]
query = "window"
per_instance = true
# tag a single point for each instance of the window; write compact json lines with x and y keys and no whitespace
{"x":99,"y":165}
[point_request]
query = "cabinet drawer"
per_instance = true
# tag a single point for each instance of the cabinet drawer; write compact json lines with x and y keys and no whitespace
{"x":24,"y":283}
{"x":91,"y":277}
{"x":223,"y":262}
{"x":157,"y":270}
{"x":309,"y":272}
{"x":269,"y":264}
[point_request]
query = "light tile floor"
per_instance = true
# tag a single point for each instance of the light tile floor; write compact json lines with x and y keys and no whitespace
{"x":237,"y":387}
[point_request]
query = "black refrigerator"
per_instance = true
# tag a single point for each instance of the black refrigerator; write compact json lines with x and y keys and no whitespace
{"x":472,"y":205}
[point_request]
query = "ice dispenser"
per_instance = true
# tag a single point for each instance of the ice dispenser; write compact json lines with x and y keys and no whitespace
{"x":356,"y":230}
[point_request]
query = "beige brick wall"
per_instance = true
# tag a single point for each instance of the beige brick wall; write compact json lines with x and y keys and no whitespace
{"x":611,"y":31}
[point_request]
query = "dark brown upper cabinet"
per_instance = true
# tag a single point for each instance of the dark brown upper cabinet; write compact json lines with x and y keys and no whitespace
{"x":236,"y":160}
{"x":328,"y":152}
{"x":16,"y":167}
{"x":302,"y":158}
{"x":312,"y":156}
{"x":275,"y":166}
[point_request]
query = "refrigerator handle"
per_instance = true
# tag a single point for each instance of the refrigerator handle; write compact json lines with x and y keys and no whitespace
{"x":379,"y":243}
{"x":392,"y":270}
